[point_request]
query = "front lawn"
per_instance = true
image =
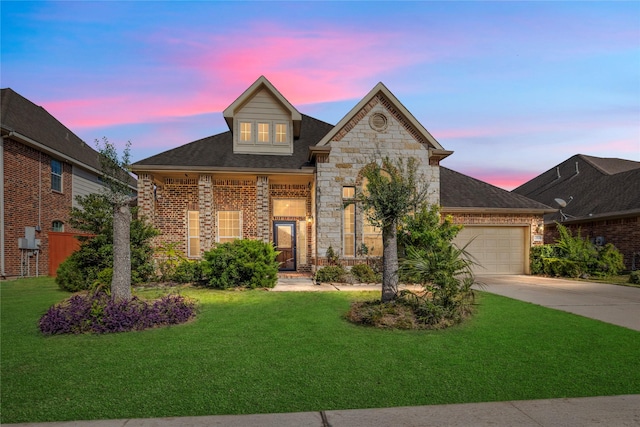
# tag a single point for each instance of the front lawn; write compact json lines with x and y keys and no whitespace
{"x":259,"y":352}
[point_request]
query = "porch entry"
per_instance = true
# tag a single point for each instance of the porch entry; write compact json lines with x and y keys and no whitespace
{"x":284,"y":239}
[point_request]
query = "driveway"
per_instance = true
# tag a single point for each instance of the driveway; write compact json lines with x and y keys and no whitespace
{"x":619,"y":305}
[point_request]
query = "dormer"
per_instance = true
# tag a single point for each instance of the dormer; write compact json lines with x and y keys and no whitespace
{"x":262,"y":121}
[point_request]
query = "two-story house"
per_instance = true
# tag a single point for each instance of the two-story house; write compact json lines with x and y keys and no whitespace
{"x":43,"y":167}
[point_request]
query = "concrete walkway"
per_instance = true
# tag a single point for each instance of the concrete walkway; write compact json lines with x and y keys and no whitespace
{"x":612,"y":411}
{"x":619,"y":305}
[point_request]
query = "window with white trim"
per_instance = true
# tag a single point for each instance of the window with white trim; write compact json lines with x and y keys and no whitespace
{"x":349,"y":221}
{"x":56,"y":175}
{"x":57,"y":226}
{"x":281,"y":133}
{"x":193,"y":234}
{"x":229,"y":226}
{"x":263,"y":133}
{"x":245,"y":132}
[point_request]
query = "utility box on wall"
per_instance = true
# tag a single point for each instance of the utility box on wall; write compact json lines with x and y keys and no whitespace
{"x":29,"y":241}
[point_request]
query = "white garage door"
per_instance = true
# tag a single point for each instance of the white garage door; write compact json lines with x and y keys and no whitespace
{"x":497,"y":250}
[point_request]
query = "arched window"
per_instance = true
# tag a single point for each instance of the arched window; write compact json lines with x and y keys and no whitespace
{"x":57,"y":226}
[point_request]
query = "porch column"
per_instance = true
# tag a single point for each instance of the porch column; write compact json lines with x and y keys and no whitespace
{"x":262,"y":208}
{"x":147,"y":197}
{"x":205,"y":206}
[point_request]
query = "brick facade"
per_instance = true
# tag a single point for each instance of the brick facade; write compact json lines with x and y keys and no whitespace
{"x":29,"y":201}
{"x":623,"y":233}
{"x":534,"y":222}
{"x":166,"y":205}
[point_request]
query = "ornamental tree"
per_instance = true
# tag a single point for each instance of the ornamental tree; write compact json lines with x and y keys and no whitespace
{"x":393,"y":190}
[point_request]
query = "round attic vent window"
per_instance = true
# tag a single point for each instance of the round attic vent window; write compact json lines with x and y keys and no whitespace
{"x":378,"y":122}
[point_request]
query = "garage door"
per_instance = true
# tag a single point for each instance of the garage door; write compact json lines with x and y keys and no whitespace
{"x":497,"y":250}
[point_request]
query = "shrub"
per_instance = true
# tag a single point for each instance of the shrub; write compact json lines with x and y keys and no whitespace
{"x":538,"y":254}
{"x":330,"y":273}
{"x":561,"y":267}
{"x":95,"y":216}
{"x":610,"y":261}
{"x":69,"y":277}
{"x":96,"y":312}
{"x":573,"y":256}
{"x":634,"y":277}
{"x":188,"y":271}
{"x":248,"y":263}
{"x":364,"y":274}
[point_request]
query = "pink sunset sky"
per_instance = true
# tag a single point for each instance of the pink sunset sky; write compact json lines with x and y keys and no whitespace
{"x":512,"y":88}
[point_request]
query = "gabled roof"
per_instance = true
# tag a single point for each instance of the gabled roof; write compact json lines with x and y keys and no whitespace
{"x":216,"y":153}
{"x":258,"y":85}
{"x":593,"y":187}
{"x":460,"y":192}
{"x":381,"y":89}
{"x":33,"y":125}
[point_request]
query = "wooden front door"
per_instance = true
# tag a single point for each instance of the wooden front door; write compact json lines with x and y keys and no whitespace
{"x":284,"y":238}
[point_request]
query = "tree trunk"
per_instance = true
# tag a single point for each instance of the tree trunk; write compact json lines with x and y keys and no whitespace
{"x":389,"y":262}
{"x":121,"y":281}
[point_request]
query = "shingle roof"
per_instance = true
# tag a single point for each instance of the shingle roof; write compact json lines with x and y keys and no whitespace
{"x":217,"y":152}
{"x":593,"y":187}
{"x":462,"y":191}
{"x":22,"y":116}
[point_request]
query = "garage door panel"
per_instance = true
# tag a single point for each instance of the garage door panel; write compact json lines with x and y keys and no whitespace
{"x":497,"y":250}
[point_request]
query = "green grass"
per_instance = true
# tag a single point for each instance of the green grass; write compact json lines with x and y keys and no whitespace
{"x":259,"y":352}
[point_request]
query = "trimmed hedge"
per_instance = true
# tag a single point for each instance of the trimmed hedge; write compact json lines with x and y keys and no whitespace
{"x":241,"y":263}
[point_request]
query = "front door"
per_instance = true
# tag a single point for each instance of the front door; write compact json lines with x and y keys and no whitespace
{"x":284,"y":237}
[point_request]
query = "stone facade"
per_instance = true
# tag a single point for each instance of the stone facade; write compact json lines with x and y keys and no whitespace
{"x":355,"y":146}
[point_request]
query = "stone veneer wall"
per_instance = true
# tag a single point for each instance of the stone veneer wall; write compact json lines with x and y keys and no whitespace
{"x":623,"y":233}
{"x":355,"y":146}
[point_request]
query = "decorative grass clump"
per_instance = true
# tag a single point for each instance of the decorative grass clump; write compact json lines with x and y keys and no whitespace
{"x":96,"y":312}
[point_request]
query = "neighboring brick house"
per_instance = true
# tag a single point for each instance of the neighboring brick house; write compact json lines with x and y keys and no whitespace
{"x":598,"y":196}
{"x":43,"y":167}
{"x":280,"y":176}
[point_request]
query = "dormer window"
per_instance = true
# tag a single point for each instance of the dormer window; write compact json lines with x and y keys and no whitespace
{"x":281,"y":133}
{"x":262,"y":121}
{"x":245,"y":132}
{"x":263,"y":132}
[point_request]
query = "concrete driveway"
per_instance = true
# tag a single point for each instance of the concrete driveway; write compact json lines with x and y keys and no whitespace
{"x":619,"y":305}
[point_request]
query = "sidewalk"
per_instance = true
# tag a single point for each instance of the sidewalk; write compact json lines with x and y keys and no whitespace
{"x":611,"y":411}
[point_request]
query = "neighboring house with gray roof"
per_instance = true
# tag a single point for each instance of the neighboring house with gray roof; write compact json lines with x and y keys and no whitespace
{"x":43,"y":167}
{"x":598,"y":196}
{"x":283,"y":177}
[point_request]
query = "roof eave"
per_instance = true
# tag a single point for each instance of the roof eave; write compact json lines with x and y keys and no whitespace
{"x":599,"y":217}
{"x":304,"y":170}
{"x":471,"y":209}
{"x":8,"y":132}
